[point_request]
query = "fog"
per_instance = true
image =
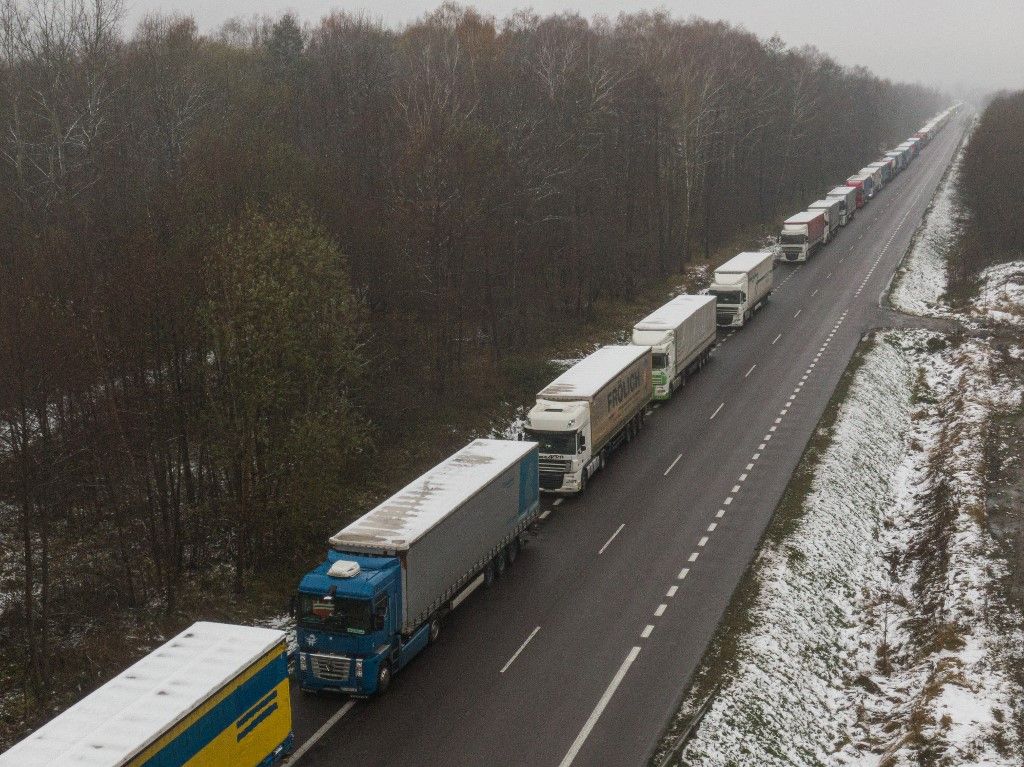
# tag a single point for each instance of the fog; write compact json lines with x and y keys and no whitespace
{"x":960,"y":45}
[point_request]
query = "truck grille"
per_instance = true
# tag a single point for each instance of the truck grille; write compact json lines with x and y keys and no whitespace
{"x":725,"y":316}
{"x":547,"y":464}
{"x":334,"y":667}
{"x":550,"y":480}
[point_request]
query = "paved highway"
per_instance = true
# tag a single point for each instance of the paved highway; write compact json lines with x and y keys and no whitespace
{"x":579,"y":654}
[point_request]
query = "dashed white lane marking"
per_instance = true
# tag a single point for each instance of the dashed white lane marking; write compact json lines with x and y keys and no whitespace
{"x":777,"y":338}
{"x":544,"y":514}
{"x":703,"y":541}
{"x":755,"y":456}
{"x":521,"y":648}
{"x":601,"y":705}
{"x":772,"y":429}
{"x":720,"y":513}
{"x":661,"y":610}
{"x":683,"y":573}
{"x":671,"y":592}
{"x":735,"y":488}
{"x":609,"y":541}
{"x":727,"y":501}
{"x":557,"y":502}
{"x":647,"y":631}
{"x":717,"y":410}
{"x":673,"y":464}
{"x":761,"y":446}
{"x":749,"y":467}
{"x":797,"y":313}
{"x":297,"y":754}
{"x":712,"y":527}
{"x":751,"y":370}
{"x":778,"y":421}
{"x":693,"y":556}
{"x":815,"y":292}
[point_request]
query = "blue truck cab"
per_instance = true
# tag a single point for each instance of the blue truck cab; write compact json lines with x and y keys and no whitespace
{"x":392,"y":575}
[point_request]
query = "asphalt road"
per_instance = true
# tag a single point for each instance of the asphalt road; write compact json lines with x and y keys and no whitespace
{"x":579,"y":654}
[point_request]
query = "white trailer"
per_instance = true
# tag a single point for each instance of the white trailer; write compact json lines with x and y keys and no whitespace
{"x":833,"y":209}
{"x":587,"y":412}
{"x":742,"y":286}
{"x":681,"y":335}
{"x":876,"y":176}
{"x":847,"y":195}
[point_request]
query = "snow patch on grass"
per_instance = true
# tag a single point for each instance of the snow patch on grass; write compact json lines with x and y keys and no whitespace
{"x":1001,"y":295}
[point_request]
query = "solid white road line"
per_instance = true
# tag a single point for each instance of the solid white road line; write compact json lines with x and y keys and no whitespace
{"x":673,"y":464}
{"x":601,"y":705}
{"x":777,"y":338}
{"x":297,"y":754}
{"x":751,"y":370}
{"x":797,"y":313}
{"x":609,"y":541}
{"x":717,"y":410}
{"x":521,"y":648}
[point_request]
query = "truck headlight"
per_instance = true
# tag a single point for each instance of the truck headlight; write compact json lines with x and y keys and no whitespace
{"x":302,"y":661}
{"x":359,"y":668}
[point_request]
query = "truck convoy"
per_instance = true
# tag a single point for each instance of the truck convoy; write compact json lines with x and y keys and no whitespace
{"x":742,"y":285}
{"x":847,"y":196}
{"x":681,"y":335}
{"x":876,"y":178}
{"x":587,"y":412}
{"x":391,"y":576}
{"x":214,"y":695}
{"x":219,"y":695}
{"x":803,"y":234}
{"x":833,"y":210}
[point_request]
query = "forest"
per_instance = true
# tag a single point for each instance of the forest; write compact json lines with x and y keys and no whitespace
{"x":247,"y":275}
{"x":992,"y":222}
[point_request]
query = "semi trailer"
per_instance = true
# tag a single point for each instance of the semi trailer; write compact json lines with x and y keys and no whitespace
{"x":587,"y":412}
{"x":876,"y":177}
{"x":742,"y":285}
{"x":885,"y":167}
{"x":832,"y":207}
{"x":847,"y":196}
{"x":803,"y":234}
{"x":391,"y":576}
{"x":681,"y":335}
{"x":865,"y":186}
{"x":213,"y":695}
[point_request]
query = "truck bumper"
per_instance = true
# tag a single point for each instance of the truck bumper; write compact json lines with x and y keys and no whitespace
{"x":334,"y":673}
{"x":570,"y":484}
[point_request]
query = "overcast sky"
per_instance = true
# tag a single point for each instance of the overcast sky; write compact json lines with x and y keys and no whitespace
{"x":956,"y":44}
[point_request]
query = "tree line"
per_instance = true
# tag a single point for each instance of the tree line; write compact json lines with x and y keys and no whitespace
{"x":992,"y":221}
{"x":241,"y":272}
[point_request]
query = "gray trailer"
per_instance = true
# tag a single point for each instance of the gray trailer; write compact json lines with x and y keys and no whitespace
{"x":833,"y":209}
{"x":847,"y":195}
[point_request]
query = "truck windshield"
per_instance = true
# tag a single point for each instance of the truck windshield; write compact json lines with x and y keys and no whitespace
{"x":729,"y":296}
{"x":338,"y":614}
{"x":559,"y":442}
{"x":659,"y":361}
{"x":793,"y":239}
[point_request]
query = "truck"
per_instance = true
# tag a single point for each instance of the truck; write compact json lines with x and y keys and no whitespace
{"x":865,"y":187}
{"x":216,"y":694}
{"x":742,"y":285}
{"x":876,"y":177}
{"x":802,"y":234}
{"x":681,"y":335}
{"x":393,"y":575}
{"x":847,"y":195}
{"x":833,"y":209}
{"x":898,"y":156}
{"x":589,"y":411}
{"x":885,"y":167}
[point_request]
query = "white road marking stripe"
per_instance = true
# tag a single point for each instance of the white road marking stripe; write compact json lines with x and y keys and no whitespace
{"x":673,"y":464}
{"x":727,"y":501}
{"x":721,"y":513}
{"x":703,"y":541}
{"x":297,"y":754}
{"x":602,"y":704}
{"x":761,"y":446}
{"x":751,"y":370}
{"x":735,"y":488}
{"x":797,"y":313}
{"x":521,"y":648}
{"x":693,"y":556}
{"x":557,"y":502}
{"x":749,"y":467}
{"x":671,"y":591}
{"x":712,"y":526}
{"x":815,"y":292}
{"x":743,"y":478}
{"x":717,"y":409}
{"x":609,"y":541}
{"x":647,"y":631}
{"x":777,"y":338}
{"x":683,"y":573}
{"x":660,"y":611}
{"x":544,"y":514}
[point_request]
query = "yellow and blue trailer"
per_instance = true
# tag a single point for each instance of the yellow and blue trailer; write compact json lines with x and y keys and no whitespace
{"x":213,"y":696}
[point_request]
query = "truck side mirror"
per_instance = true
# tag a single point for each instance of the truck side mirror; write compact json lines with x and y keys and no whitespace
{"x":583,"y":444}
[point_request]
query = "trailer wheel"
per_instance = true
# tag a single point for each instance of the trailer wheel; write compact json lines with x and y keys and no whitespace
{"x":500,"y":562}
{"x":383,"y":678}
{"x":513,"y":550}
{"x":489,"y":574}
{"x":435,"y":630}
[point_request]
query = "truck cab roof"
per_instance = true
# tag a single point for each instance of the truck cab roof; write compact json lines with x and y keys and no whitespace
{"x":373,"y":572}
{"x":550,"y":415}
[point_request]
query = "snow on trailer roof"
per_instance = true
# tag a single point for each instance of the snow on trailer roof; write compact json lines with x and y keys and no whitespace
{"x":673,"y":313}
{"x":110,"y":726}
{"x":588,"y":376}
{"x":803,"y":217}
{"x":841,"y":191}
{"x":403,"y":518}
{"x":744,"y":262}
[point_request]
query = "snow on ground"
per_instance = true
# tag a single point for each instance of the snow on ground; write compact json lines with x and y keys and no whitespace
{"x":922,"y":277}
{"x":1000,"y":298}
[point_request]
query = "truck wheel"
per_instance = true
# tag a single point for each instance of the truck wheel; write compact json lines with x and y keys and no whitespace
{"x":500,"y":563}
{"x":435,"y":630}
{"x":383,"y":678}
{"x":513,"y":551}
{"x":489,"y":574}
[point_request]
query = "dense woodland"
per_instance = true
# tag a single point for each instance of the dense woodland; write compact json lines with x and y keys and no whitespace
{"x":992,"y":224}
{"x":242,"y":273}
